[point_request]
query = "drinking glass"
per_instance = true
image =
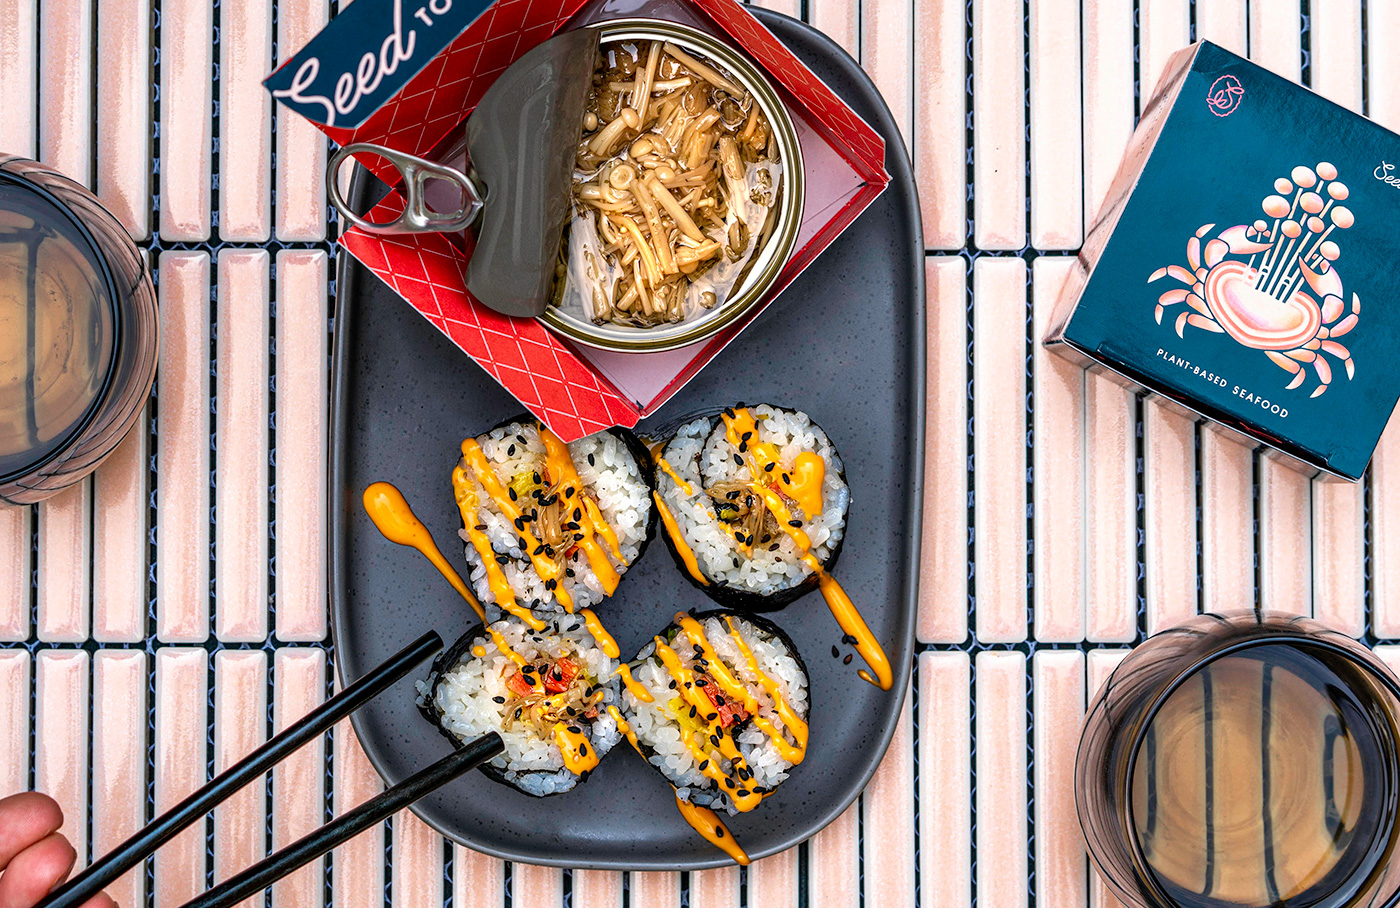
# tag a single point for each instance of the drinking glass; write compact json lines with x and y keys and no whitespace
{"x":1243,"y":760}
{"x":78,"y":331}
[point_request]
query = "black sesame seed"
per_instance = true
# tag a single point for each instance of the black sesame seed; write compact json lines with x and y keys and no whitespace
{"x":768,"y":468}
{"x":569,"y":492}
{"x":739,"y":460}
{"x":714,"y":739}
{"x":742,"y":792}
{"x":794,"y":523}
{"x":692,"y":712}
{"x":835,"y":652}
{"x":511,"y":493}
{"x":520,"y":523}
{"x":719,"y":832}
{"x":582,"y":749}
{"x":746,"y":436}
{"x":510,"y":452}
{"x":537,"y":477}
{"x":502,"y":559}
{"x":704,"y":765}
{"x":539,"y":549}
{"x":711,"y":717}
{"x":736,"y":562}
{"x":729,"y":782}
{"x":574,"y":729}
{"x":743,"y":447}
{"x":848,"y":638}
{"x":847,"y":660}
{"x":499,"y":699}
{"x":590,"y":460}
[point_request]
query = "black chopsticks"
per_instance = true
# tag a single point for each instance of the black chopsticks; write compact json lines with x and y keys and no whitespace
{"x":160,"y":830}
{"x":375,"y":810}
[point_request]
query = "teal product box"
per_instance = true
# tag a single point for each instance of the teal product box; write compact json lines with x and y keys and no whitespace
{"x":1241,"y":266}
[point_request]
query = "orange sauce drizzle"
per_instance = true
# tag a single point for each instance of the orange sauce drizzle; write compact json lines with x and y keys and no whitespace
{"x":393,"y":518}
{"x":668,"y":520}
{"x":590,"y":521}
{"x":745,"y":799}
{"x":501,"y":589}
{"x":579,"y":758}
{"x":486,"y":475}
{"x":624,"y":671}
{"x":791,"y":720}
{"x":595,"y":627}
{"x":706,"y":822}
{"x":742,"y":431}
{"x":684,"y":486}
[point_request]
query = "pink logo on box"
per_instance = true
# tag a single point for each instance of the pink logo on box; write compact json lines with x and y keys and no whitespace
{"x":1225,"y":95}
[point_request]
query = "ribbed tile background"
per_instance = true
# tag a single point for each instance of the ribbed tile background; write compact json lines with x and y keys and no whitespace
{"x":164,"y":617}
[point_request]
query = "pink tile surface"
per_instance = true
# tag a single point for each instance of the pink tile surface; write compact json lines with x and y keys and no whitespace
{"x":1274,"y":37}
{"x":124,"y":116}
{"x":182,"y":471}
{"x":945,"y":801}
{"x":65,"y":553}
{"x":65,"y":87}
{"x":245,"y":120}
{"x":537,"y":887}
{"x":1224,"y":22}
{"x":786,"y":7}
{"x":1227,"y":517}
{"x":119,"y":760}
{"x":603,"y":888}
{"x":1385,"y":532}
{"x":358,"y":866}
{"x":186,"y":102}
{"x":1108,"y":95}
{"x":61,"y":739}
{"x":301,"y":148}
{"x":240,"y":725}
{"x":1169,"y":482}
{"x":479,"y":881}
{"x":1383,"y":90}
{"x":833,"y":864}
{"x":1001,"y":780}
{"x":1057,"y":188}
{"x":889,"y":805}
{"x":18,"y":76}
{"x":181,"y":727}
{"x":943,"y":565}
{"x":940,"y":102}
{"x":1285,"y":556}
{"x":1061,"y":866}
{"x":717,"y":888}
{"x":773,"y":880}
{"x":14,"y":719}
{"x":301,"y":445}
{"x":886,"y":52}
{"x":1110,"y":483}
{"x":999,"y":415}
{"x":1336,"y":52}
{"x":418,"y":881}
{"x":658,"y":889}
{"x":838,"y":20}
{"x":998,"y":129}
{"x":298,"y":782}
{"x":240,"y":542}
{"x":1339,"y":578}
{"x":120,"y":513}
{"x":1058,"y":466}
{"x":1164,"y":28}
{"x":15,"y":525}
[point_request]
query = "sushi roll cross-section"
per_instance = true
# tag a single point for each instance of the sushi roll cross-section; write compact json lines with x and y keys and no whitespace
{"x":550,"y":526}
{"x":546,"y":693}
{"x":718,"y":704}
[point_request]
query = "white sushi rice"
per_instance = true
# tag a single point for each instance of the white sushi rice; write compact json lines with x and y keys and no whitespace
{"x":464,"y":701}
{"x":656,"y":727}
{"x":701,"y":455}
{"x":613,"y":479}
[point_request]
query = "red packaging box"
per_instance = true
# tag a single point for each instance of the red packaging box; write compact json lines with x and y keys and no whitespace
{"x":577,"y":390}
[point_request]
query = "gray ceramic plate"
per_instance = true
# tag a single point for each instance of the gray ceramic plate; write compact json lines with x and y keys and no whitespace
{"x":844,"y":342}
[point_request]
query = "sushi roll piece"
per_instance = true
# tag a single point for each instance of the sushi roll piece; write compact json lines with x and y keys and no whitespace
{"x":546,"y":693}
{"x":754,"y":503}
{"x":718,"y":703}
{"x":551,"y":526}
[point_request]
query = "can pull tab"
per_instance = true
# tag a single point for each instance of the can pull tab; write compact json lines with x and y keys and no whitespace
{"x":417,"y":173}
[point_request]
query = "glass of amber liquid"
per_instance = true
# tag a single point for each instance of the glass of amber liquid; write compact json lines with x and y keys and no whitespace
{"x":1242,"y":761}
{"x":78,"y":331}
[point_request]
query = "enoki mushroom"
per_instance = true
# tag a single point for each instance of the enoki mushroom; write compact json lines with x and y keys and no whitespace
{"x":673,"y":181}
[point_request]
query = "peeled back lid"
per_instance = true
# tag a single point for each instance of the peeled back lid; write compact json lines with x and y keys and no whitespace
{"x":521,"y":143}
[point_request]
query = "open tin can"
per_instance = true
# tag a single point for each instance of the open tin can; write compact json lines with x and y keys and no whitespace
{"x":463,"y":200}
{"x":774,"y":242}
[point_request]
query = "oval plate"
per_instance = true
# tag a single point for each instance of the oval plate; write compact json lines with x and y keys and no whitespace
{"x":845,"y":342}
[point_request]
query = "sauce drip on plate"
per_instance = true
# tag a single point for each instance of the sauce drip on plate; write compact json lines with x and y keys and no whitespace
{"x":802,"y":484}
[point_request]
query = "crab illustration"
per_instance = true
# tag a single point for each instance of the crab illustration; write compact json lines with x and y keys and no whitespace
{"x":1273,"y":286}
